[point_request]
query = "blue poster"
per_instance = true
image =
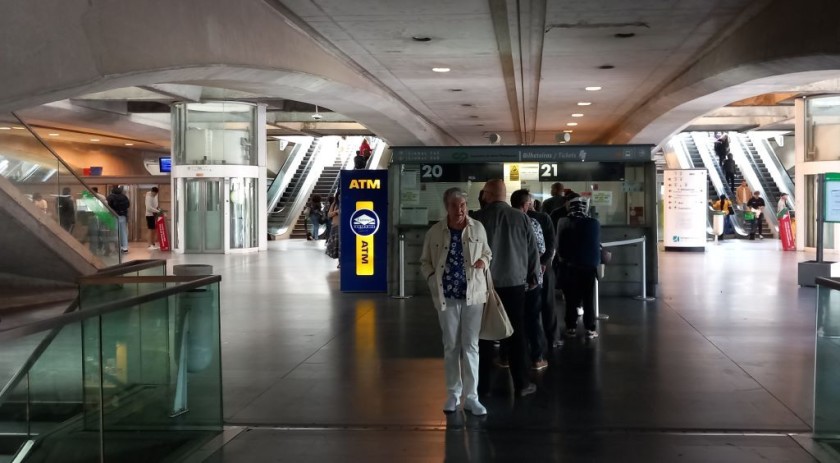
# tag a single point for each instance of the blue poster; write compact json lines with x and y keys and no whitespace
{"x":364,"y":230}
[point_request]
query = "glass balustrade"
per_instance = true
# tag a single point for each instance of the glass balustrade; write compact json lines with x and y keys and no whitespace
{"x":55,"y":190}
{"x":133,"y":379}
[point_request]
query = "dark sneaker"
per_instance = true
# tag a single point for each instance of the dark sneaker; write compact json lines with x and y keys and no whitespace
{"x":571,"y":332}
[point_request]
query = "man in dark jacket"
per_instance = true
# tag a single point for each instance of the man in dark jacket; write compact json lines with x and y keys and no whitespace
{"x":579,"y":247}
{"x":729,"y":171}
{"x":563,"y":210}
{"x":722,"y":148}
{"x":66,"y":210}
{"x":119,"y":202}
{"x":556,"y":200}
{"x":514,"y":267}
{"x":756,"y":205}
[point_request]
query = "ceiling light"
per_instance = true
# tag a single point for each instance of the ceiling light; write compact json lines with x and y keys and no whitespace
{"x":5,"y":128}
{"x":577,"y":115}
{"x":467,"y":105}
{"x":421,"y":38}
{"x":456,"y":89}
{"x":584,"y":103}
{"x":568,"y":131}
{"x":129,"y":144}
{"x":624,"y":35}
{"x":572,"y":124}
{"x":18,"y":128}
{"x":441,"y":69}
{"x":94,"y":139}
{"x":53,"y":134}
{"x":593,"y":89}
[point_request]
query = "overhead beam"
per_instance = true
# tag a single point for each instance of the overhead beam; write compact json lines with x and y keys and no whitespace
{"x":178,"y":92}
{"x":499,"y":14}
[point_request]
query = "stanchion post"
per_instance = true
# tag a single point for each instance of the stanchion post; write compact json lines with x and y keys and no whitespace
{"x":597,"y":303}
{"x":401,"y":269}
{"x":644,"y":296}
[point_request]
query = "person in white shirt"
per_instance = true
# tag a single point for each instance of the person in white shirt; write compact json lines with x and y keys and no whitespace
{"x":782,"y":202}
{"x":152,"y":210}
{"x":40,"y":202}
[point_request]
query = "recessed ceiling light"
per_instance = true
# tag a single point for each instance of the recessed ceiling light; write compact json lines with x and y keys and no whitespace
{"x":479,"y":125}
{"x":584,"y":103}
{"x":593,"y":89}
{"x":456,"y":89}
{"x":53,"y":134}
{"x":572,"y":124}
{"x":441,"y":69}
{"x":94,"y":139}
{"x":467,"y":105}
{"x":421,"y":38}
{"x":606,"y":66}
{"x":129,"y":144}
{"x":577,"y":115}
{"x":624,"y":35}
{"x":568,"y":131}
{"x":18,"y":128}
{"x":5,"y":128}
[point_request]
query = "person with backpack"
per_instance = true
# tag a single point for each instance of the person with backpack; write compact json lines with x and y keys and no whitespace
{"x":315,"y":213}
{"x":579,"y":249}
{"x":120,"y":203}
{"x":722,"y":148}
{"x":729,"y":171}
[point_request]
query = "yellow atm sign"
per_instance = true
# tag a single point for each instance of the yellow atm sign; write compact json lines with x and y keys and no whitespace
{"x":365,"y":184}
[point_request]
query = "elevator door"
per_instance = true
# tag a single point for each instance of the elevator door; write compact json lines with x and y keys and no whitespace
{"x":204,"y":218}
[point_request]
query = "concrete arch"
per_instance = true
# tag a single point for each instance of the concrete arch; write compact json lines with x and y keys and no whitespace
{"x":783,"y":45}
{"x":58,"y":49}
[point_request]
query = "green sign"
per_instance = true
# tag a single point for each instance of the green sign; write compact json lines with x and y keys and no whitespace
{"x":832,"y":197}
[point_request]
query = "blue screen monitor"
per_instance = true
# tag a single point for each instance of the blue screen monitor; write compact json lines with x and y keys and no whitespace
{"x":165,"y":164}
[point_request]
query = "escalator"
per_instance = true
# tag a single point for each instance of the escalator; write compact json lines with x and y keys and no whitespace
{"x":279,"y":216}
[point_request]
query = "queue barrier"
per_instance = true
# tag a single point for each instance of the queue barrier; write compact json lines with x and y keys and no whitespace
{"x":643,"y":297}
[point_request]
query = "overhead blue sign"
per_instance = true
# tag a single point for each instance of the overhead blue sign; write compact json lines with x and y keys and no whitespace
{"x":364,"y":231}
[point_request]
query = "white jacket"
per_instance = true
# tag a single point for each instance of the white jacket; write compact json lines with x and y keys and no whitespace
{"x":433,"y":260}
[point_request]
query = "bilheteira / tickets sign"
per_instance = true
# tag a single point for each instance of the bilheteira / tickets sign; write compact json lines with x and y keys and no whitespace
{"x":364,"y":231}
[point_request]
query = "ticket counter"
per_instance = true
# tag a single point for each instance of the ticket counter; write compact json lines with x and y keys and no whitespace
{"x":619,"y":180}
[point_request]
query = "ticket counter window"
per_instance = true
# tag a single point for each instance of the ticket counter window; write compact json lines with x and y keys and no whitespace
{"x":615,"y":190}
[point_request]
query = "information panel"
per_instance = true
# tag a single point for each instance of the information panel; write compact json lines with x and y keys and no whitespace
{"x":363,"y":227}
{"x":832,"y":197}
{"x":685,"y":201}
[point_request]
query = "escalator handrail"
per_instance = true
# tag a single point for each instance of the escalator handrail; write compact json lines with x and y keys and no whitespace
{"x":296,"y":199}
{"x":765,"y":151}
{"x":292,"y":163}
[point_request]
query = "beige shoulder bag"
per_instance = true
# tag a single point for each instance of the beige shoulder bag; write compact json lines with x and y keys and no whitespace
{"x":495,"y":324}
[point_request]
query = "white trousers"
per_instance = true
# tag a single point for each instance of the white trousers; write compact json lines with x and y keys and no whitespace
{"x":460,"y":325}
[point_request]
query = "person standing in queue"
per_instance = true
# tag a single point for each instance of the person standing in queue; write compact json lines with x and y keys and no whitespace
{"x":521,"y":199}
{"x":556,"y":200}
{"x":514,"y":269}
{"x":547,"y":308}
{"x":579,"y":246}
{"x":120,"y":203}
{"x":563,"y":210}
{"x":455,"y":256}
{"x":152,"y":211}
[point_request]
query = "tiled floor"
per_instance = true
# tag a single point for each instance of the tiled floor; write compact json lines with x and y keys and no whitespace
{"x":325,"y":376}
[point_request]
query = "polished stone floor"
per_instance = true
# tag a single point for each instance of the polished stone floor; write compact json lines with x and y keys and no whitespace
{"x":719,"y":368}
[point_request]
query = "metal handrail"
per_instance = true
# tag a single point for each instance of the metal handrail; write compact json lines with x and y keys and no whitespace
{"x":828,"y":283}
{"x":752,"y":178}
{"x":189,"y":283}
{"x":703,"y":138}
{"x":131,"y":266}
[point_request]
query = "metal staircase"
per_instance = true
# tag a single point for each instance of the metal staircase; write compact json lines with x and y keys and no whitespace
{"x":326,"y":186}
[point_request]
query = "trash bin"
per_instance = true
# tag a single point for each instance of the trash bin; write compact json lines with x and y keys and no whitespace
{"x":717,"y":222}
{"x":196,"y":308}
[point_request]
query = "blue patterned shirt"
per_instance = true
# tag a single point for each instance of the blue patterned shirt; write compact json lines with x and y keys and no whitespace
{"x":454,"y":273}
{"x":540,"y":243}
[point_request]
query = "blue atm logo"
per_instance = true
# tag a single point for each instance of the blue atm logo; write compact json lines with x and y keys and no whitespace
{"x":365,"y":184}
{"x":364,"y":222}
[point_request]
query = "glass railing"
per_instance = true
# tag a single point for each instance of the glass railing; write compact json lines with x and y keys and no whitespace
{"x":131,"y":379}
{"x":40,"y":175}
{"x":827,"y":361}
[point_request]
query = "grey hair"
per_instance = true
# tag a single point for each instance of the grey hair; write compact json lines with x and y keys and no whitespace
{"x":453,"y":192}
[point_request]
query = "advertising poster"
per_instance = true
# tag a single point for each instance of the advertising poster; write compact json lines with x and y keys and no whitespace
{"x":364,"y":231}
{"x":685,"y":203}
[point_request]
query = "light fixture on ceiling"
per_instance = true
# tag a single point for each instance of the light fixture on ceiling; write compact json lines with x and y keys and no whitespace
{"x":606,"y":66}
{"x":53,"y":134}
{"x":456,"y":89}
{"x":5,"y":128}
{"x":129,"y":144}
{"x":624,"y":35}
{"x":592,"y":89}
{"x":18,"y":128}
{"x":94,"y":139}
{"x":577,"y":115}
{"x":568,"y":131}
{"x":584,"y":103}
{"x":563,"y":138}
{"x":441,"y":69}
{"x":572,"y":124}
{"x":421,"y":38}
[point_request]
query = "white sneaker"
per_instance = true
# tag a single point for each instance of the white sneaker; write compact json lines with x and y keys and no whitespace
{"x":474,"y":406}
{"x":153,"y":246}
{"x":451,"y":405}
{"x":592,"y":334}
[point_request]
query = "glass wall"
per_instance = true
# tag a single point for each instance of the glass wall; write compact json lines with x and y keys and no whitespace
{"x":616,"y":190}
{"x":243,"y":213}
{"x":822,"y":129}
{"x":215,"y":133}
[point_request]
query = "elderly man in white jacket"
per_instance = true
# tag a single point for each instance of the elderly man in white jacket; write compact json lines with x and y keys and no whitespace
{"x":455,"y":256}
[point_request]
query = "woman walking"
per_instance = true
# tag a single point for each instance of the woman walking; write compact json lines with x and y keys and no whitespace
{"x":332,"y":218}
{"x":455,"y":256}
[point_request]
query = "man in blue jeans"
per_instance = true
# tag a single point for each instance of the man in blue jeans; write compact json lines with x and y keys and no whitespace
{"x":120,"y":203}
